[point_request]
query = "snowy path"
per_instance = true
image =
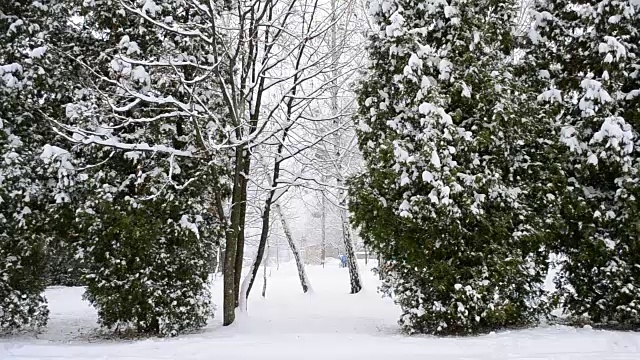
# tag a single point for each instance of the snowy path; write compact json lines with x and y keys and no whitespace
{"x":328,"y":324}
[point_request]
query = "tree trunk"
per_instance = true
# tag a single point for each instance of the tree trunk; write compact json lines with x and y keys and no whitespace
{"x":246,"y":167}
{"x":255,"y":265}
{"x":215,"y":263}
{"x":352,"y":260}
{"x":323,"y":222}
{"x":304,"y":280}
{"x":230,"y":296}
{"x":221,"y":251}
{"x":264,"y":275}
{"x":253,"y":272}
{"x":366,"y":255}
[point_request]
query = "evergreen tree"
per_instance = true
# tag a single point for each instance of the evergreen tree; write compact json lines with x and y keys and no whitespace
{"x":148,"y":265}
{"x":147,"y":217}
{"x":40,"y":81}
{"x":149,"y":269}
{"x":587,"y":56}
{"x":450,"y":195}
{"x":28,"y":89}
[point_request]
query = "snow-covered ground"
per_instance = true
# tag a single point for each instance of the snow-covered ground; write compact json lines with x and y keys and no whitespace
{"x":327,"y":324}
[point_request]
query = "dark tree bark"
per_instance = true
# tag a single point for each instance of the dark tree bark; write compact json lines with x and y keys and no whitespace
{"x":230,"y":295}
{"x":246,"y":167}
{"x":352,"y":261}
{"x":264,"y":233}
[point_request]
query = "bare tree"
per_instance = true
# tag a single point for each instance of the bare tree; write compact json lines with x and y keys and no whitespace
{"x":302,"y":274}
{"x":262,"y":61}
{"x":354,"y":273}
{"x":298,"y":117}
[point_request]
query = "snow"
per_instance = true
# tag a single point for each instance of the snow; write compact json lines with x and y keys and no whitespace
{"x":608,"y":58}
{"x":435,"y":159}
{"x":415,"y":62}
{"x":615,"y":19}
{"x":568,"y":136}
{"x":362,"y":126}
{"x":130,"y":46}
{"x":14,"y":26}
{"x":328,"y":324}
{"x":450,"y":11}
{"x":51,"y":152}
{"x":38,"y":52}
{"x":614,"y":44}
{"x":551,"y":95}
{"x":593,"y":91}
{"x":395,"y":28}
{"x":617,"y":132}
{"x":445,"y":67}
{"x":120,"y":67}
{"x":150,"y":7}
{"x":466,"y":91}
{"x":544,"y":74}
{"x":6,"y":74}
{"x":427,"y":176}
{"x":193,"y":227}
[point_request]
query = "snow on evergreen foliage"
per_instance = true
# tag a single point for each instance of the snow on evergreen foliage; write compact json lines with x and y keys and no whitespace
{"x":450,"y":196}
{"x":597,"y":107}
{"x":146,"y":253}
{"x":148,"y":179}
{"x":146,"y":271}
{"x":24,"y":26}
{"x":149,"y":228}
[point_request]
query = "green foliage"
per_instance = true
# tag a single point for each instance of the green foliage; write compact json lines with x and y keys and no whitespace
{"x":22,"y":261}
{"x":452,"y":192}
{"x":594,"y":94}
{"x":147,"y":271}
{"x":63,"y":268}
{"x":25,"y":197}
{"x":148,"y":239}
{"x":147,"y":230}
{"x":56,"y":200}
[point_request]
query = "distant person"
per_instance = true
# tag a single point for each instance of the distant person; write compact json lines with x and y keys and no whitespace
{"x":343,"y":261}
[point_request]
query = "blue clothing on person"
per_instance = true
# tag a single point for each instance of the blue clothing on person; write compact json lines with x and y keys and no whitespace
{"x":343,"y":261}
